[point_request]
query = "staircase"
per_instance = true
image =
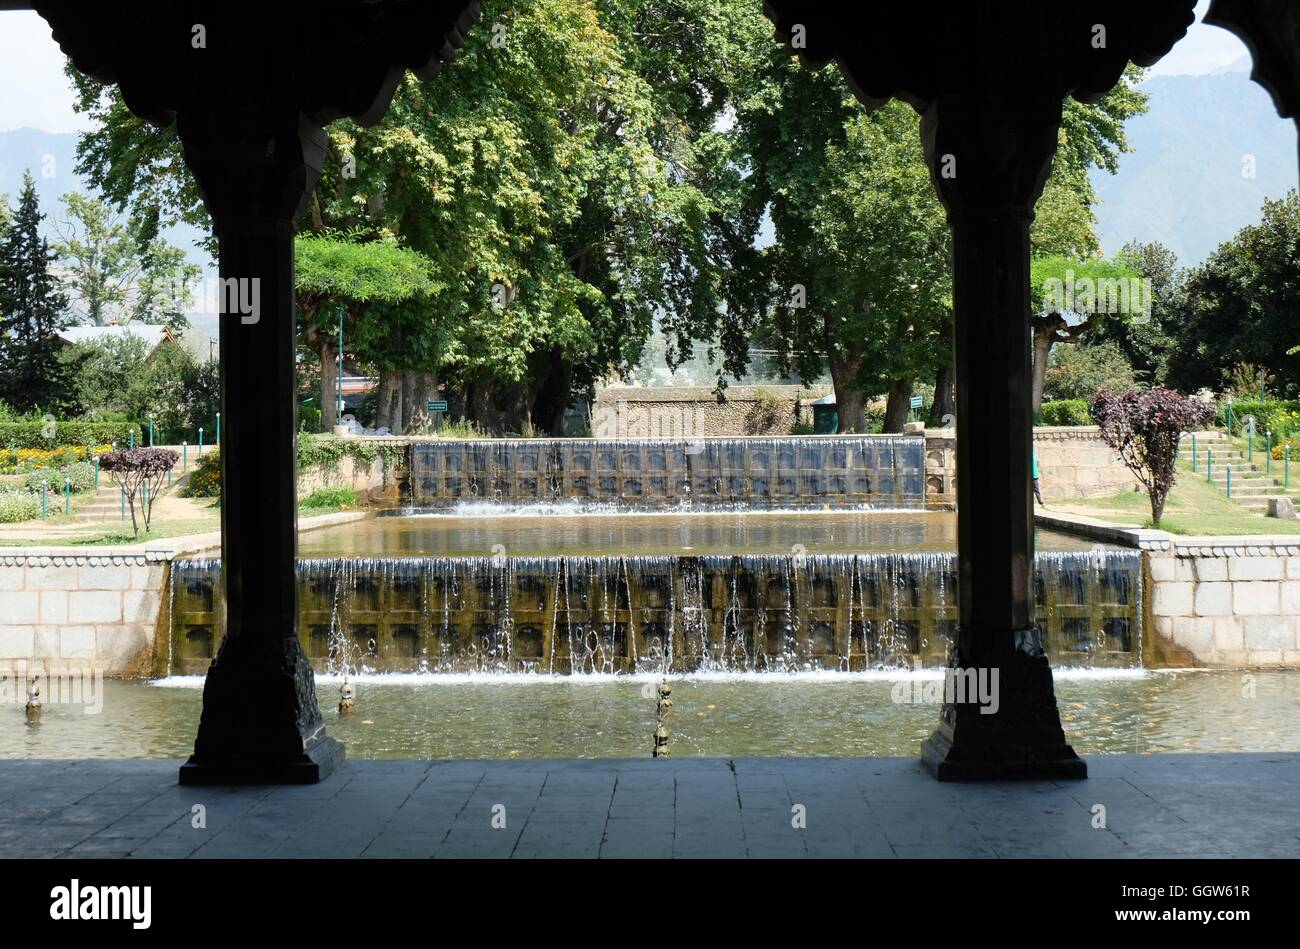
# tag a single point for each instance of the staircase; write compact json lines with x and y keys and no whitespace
{"x":106,"y":503}
{"x":1252,"y":485}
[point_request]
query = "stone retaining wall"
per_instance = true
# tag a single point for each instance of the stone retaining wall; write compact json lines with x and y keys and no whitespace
{"x":1075,"y":463}
{"x":1230,"y":601}
{"x":685,"y":411}
{"x":95,"y":611}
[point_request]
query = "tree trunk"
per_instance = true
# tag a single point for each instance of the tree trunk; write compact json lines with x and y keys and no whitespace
{"x":329,"y":383}
{"x":943,"y":411}
{"x":387,"y":401}
{"x":850,"y":401}
{"x":1157,"y":509}
{"x":420,"y":389}
{"x":1042,"y":335}
{"x":897,"y":406}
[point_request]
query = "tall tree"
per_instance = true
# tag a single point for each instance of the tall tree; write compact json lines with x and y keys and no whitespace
{"x":1238,"y":310}
{"x":118,"y":271}
{"x":31,"y":309}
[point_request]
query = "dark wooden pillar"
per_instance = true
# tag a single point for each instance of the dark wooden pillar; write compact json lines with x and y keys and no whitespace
{"x":990,"y":157}
{"x":260,"y":717}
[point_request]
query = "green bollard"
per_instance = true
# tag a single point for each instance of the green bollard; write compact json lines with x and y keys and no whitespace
{"x":218,"y":429}
{"x":1268,"y":451}
{"x":185,"y":457}
{"x":67,"y":495}
{"x":150,"y":431}
{"x":44,"y":499}
{"x":1193,"y":451}
{"x":132,"y":442}
{"x":1209,"y":464}
{"x":1229,"y":480}
{"x":1286,"y":467}
{"x":96,"y":474}
{"x":200,"y":443}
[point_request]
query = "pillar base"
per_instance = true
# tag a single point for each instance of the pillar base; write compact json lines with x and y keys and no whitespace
{"x":309,"y":768}
{"x":261,"y":723}
{"x":1009,"y":729}
{"x":950,"y":763}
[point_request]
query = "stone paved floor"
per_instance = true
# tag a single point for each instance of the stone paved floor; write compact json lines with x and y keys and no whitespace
{"x":1168,"y":805}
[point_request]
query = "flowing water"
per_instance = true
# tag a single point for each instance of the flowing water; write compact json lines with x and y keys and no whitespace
{"x":657,"y":593}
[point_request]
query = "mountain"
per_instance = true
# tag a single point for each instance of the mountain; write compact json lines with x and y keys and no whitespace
{"x":1183,"y":183}
{"x":50,"y":157}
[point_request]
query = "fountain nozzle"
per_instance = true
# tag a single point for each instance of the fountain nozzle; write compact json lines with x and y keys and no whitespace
{"x":347,"y":698}
{"x":33,"y":707}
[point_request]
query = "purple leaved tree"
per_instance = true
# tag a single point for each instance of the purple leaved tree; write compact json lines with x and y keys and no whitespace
{"x":1144,"y":426}
{"x":139,"y":468}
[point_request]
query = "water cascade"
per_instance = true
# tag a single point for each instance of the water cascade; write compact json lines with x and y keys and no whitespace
{"x":662,"y":613}
{"x":885,"y":471}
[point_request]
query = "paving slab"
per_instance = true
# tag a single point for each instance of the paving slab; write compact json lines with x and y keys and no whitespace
{"x":1233,"y":805}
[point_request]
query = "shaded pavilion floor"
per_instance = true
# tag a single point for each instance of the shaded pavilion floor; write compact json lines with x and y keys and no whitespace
{"x":1233,"y":805}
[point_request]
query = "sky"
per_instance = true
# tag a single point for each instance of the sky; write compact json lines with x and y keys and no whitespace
{"x":34,"y":93}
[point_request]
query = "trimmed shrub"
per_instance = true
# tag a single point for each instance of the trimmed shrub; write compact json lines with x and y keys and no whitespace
{"x":82,"y":474}
{"x":1066,"y":412}
{"x":1144,"y":426}
{"x":49,"y":435}
{"x":205,"y":482}
{"x":331,"y":498}
{"x":18,"y":506}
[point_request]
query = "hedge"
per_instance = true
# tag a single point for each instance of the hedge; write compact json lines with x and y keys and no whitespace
{"x":1066,"y":412}
{"x":56,"y":434}
{"x":1280,"y":418}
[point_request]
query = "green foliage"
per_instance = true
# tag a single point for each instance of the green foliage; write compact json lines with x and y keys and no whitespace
{"x":335,"y":498}
{"x":1148,"y":343}
{"x":1280,"y":418}
{"x":1240,"y":305}
{"x":205,"y":480}
{"x":31,"y":309}
{"x":461,"y":428}
{"x":1082,"y":370}
{"x":16,"y":506}
{"x":81,"y":473}
{"x":118,"y":271}
{"x":1066,"y":412}
{"x":120,"y":377}
{"x":323,"y":453}
{"x":78,"y":432}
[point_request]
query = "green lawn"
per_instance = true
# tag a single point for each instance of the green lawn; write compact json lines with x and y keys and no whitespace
{"x":1194,"y":507}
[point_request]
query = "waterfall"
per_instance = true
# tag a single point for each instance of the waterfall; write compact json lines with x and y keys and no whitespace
{"x":864,"y":471}
{"x":670,"y":613}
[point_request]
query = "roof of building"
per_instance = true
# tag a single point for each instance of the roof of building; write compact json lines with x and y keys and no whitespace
{"x":151,"y":335}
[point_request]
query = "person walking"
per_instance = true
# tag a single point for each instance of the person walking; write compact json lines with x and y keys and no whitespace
{"x":1038,"y":494}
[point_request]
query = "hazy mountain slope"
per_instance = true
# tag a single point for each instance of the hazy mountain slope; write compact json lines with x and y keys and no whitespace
{"x":1183,"y":183}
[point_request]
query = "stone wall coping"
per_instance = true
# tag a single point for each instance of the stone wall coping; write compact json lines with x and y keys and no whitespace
{"x":1067,"y":432}
{"x":160,"y":551}
{"x":1138,"y":537}
{"x":1243,"y":545}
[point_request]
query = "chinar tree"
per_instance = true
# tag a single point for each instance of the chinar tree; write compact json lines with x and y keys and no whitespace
{"x":567,"y":176}
{"x":859,"y":273}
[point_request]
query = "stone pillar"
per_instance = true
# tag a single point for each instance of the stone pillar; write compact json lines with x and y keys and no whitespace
{"x":990,"y":156}
{"x":260,"y":718}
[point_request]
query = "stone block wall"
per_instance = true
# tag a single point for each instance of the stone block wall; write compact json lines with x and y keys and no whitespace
{"x":96,"y":612}
{"x":1230,"y":602}
{"x":685,"y":411}
{"x":1075,"y":463}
